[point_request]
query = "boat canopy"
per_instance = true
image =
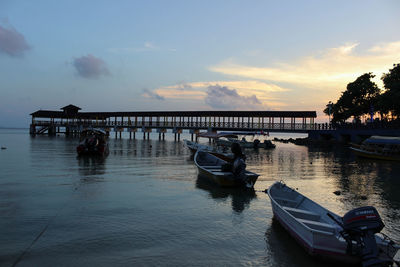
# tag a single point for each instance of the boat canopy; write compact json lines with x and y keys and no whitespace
{"x":216,"y":135}
{"x":235,"y":134}
{"x":383,"y":140}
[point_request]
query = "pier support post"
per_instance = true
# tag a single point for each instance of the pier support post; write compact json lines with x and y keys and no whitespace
{"x":175,"y":136}
{"x":192,"y":137}
{"x":144,"y":135}
{"x":163,"y":136}
{"x":179,"y":137}
{"x":32,"y":129}
{"x":148,"y":135}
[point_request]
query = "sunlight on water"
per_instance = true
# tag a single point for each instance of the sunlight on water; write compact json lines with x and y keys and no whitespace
{"x":145,"y":204}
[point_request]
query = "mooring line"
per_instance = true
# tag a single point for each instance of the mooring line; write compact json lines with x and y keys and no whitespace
{"x":33,"y":242}
{"x":38,"y":236}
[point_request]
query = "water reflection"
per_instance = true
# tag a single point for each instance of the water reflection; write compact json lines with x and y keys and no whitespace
{"x":240,"y":197}
{"x":91,"y":165}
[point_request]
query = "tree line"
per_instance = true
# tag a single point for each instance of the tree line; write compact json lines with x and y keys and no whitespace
{"x":363,"y":97}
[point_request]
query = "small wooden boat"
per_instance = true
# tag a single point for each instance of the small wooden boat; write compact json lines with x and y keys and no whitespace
{"x":211,"y":167}
{"x":93,"y":142}
{"x":379,"y":147}
{"x":353,"y":238}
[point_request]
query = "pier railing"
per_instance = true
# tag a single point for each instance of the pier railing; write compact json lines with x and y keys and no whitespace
{"x":256,"y":126}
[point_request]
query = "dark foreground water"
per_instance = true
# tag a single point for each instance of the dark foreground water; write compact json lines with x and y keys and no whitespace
{"x":145,"y":206}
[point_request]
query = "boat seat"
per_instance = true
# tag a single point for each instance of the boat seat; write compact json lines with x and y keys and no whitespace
{"x":286,"y":202}
{"x":303,"y":214}
{"x":320,"y":226}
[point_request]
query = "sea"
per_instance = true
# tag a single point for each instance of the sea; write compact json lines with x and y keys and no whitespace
{"x":144,"y":204}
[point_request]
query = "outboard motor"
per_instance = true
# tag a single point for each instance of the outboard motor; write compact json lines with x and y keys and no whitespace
{"x":360,"y":226}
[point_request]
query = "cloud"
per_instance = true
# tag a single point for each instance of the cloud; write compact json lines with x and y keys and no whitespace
{"x":12,"y":42}
{"x":90,"y":67}
{"x":198,"y":89}
{"x":221,"y":97}
{"x":150,"y":94}
{"x":332,"y":68}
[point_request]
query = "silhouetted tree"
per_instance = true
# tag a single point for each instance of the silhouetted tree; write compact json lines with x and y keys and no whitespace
{"x":390,"y":100}
{"x":360,"y":97}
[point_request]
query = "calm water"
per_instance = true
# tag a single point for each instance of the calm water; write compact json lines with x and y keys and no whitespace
{"x":145,"y":206}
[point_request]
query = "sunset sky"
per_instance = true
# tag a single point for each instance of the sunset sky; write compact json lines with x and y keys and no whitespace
{"x":189,"y":55}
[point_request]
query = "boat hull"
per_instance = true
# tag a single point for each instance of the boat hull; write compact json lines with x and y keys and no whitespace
{"x":373,"y":155}
{"x":97,"y":151}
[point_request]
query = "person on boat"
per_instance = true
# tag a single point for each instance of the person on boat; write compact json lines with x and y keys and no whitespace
{"x":239,"y":165}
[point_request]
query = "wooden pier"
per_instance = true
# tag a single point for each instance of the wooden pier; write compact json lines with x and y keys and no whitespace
{"x":71,"y":121}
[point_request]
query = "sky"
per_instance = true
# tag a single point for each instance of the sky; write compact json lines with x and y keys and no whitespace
{"x":188,"y":55}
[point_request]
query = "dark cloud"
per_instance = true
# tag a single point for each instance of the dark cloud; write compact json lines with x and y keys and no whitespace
{"x":12,"y":42}
{"x":151,"y":94}
{"x":221,"y":97}
{"x":90,"y":67}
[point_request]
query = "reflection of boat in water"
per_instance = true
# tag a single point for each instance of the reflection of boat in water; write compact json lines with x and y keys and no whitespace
{"x":90,"y":167}
{"x":240,"y":198}
{"x":379,"y":147}
{"x":352,"y":238}
{"x":211,"y":167}
{"x":93,"y":142}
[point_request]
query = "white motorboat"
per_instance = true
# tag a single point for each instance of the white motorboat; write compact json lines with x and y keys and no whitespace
{"x":353,"y":238}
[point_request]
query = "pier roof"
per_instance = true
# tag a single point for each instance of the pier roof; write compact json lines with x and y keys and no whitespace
{"x":104,"y":115}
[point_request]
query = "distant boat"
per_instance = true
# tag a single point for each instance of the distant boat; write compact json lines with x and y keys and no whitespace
{"x":379,"y":147}
{"x":3,"y":147}
{"x":225,"y":139}
{"x":194,"y":146}
{"x":353,"y":238}
{"x":227,"y":142}
{"x":93,"y":142}
{"x":211,"y":167}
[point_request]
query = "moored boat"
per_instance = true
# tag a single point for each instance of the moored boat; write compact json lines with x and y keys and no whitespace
{"x":212,"y":168}
{"x":93,"y":142}
{"x":227,"y":142}
{"x":194,"y":146}
{"x":379,"y":147}
{"x":353,"y":238}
